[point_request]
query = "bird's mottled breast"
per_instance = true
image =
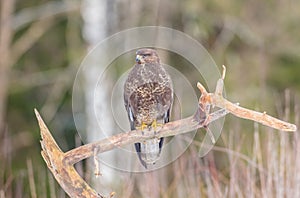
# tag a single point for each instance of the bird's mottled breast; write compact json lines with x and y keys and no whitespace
{"x":143,"y":74}
{"x":149,"y":91}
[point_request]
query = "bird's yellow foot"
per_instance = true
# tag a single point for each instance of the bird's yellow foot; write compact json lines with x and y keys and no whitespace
{"x":154,"y":125}
{"x":142,"y":127}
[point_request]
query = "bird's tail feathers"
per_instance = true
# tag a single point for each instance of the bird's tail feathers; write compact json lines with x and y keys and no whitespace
{"x":150,"y":151}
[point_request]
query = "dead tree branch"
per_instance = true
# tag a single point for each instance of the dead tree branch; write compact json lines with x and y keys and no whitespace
{"x":61,"y":164}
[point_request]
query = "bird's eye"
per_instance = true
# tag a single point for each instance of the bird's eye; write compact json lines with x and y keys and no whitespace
{"x":144,"y":55}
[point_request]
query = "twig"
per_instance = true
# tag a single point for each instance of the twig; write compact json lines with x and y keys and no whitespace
{"x":61,"y":164}
{"x":97,"y":164}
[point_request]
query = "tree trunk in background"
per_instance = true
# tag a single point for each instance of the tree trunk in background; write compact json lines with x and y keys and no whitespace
{"x":7,"y":8}
{"x":97,"y":22}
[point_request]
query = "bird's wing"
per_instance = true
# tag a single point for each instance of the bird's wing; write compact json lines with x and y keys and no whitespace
{"x":131,"y":117}
{"x":132,"y":126}
{"x":166,"y":120}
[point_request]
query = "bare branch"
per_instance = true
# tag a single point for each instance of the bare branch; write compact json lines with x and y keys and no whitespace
{"x":64,"y":174}
{"x":62,"y":164}
{"x":218,"y":100}
{"x":170,"y":129}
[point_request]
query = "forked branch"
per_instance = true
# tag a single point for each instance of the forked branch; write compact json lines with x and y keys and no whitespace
{"x":61,"y":164}
{"x":216,"y":99}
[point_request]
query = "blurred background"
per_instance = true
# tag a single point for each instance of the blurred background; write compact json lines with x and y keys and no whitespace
{"x":42,"y":44}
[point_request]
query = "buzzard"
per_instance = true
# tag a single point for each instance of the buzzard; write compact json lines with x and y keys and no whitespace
{"x":148,"y":97}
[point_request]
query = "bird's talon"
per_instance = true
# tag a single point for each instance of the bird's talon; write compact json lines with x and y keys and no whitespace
{"x":154,"y":125}
{"x":142,"y":127}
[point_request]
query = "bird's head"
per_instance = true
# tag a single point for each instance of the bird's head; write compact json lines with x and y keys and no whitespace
{"x":146,"y":55}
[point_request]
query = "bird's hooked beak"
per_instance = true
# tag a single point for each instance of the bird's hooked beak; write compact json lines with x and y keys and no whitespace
{"x":139,"y":59}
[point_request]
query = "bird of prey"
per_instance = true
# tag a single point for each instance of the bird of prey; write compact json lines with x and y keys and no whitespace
{"x":148,"y":97}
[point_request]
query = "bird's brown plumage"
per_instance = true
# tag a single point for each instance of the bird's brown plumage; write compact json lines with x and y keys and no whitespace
{"x":148,"y":96}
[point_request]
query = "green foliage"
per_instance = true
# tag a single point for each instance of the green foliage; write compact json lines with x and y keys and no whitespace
{"x":285,"y":72}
